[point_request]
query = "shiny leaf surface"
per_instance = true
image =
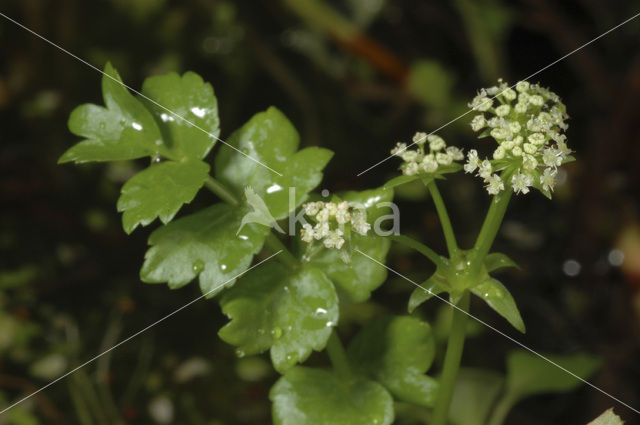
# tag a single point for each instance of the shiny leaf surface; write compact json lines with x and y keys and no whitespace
{"x":185,"y":100}
{"x":271,"y":141}
{"x":397,"y":351}
{"x":306,"y":396}
{"x":124,"y":129}
{"x":203,"y":244}
{"x":291,"y":313}
{"x":499,"y":299}
{"x":160,"y":191}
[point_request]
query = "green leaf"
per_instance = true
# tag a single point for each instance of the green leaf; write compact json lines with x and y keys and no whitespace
{"x":203,"y":244}
{"x":361,"y":275}
{"x":497,"y":260}
{"x":474,"y":395}
{"x":607,"y":418}
{"x":397,"y":351}
{"x":306,"y":396}
{"x":271,"y":141}
{"x":529,"y":374}
{"x":499,"y":299}
{"x":190,"y":98}
{"x":289,"y":313}
{"x":399,"y":180}
{"x":160,"y":191}
{"x":435,"y":285}
{"x":123,"y":130}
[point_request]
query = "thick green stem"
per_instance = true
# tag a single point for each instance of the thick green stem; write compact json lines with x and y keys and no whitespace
{"x":491,"y":224}
{"x":218,"y":188}
{"x":285,"y":256}
{"x":452,"y":359}
{"x":452,"y":245}
{"x":421,"y":248}
{"x":338,"y":355}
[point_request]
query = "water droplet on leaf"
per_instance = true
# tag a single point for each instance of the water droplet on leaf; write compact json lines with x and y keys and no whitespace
{"x":198,"y":266}
{"x":240,"y":353}
{"x":276,"y":332}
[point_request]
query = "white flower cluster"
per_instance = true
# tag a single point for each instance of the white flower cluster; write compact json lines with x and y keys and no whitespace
{"x":528,"y":124}
{"x":330,"y":218}
{"x":418,"y":161}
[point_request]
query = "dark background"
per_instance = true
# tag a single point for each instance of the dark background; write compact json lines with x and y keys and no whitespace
{"x":69,"y":284}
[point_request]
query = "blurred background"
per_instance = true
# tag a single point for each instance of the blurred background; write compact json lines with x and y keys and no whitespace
{"x":354,"y":76}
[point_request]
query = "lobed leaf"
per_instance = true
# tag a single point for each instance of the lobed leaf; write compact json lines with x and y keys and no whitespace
{"x":306,"y":396}
{"x":160,"y":191}
{"x":188,"y":117}
{"x":122,"y":130}
{"x":203,"y":244}
{"x":499,"y":299}
{"x":435,"y":285}
{"x":289,"y":313}
{"x":270,"y":140}
{"x":397,"y":351}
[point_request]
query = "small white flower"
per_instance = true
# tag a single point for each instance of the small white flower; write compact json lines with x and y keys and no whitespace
{"x":529,"y":162}
{"x":429,"y":163}
{"x":516,"y":151}
{"x":530,"y":148}
{"x":537,"y":139}
{"x":536,"y":100}
{"x":515,"y":127}
{"x":419,"y":138}
{"x":518,"y":140}
{"x":312,"y":208}
{"x":472,"y":161}
{"x":521,"y":183}
{"x":522,"y":86}
{"x":509,"y":94}
{"x":551,"y":157}
{"x":400,"y":147}
{"x":485,"y":169}
{"x":503,"y":110}
{"x":444,"y":158}
{"x":436,"y":143}
{"x":499,"y":153}
{"x":499,"y":133}
{"x":520,"y":107}
{"x":411,"y":169}
{"x":323,"y":215}
{"x":342,"y":212}
{"x":321,"y":230}
{"x":481,"y":103}
{"x":478,"y":123}
{"x":306,"y":233}
{"x":508,"y":145}
{"x":334,"y":239}
{"x":455,"y":152}
{"x":494,"y":184}
{"x":359,"y":223}
{"x":548,"y":179}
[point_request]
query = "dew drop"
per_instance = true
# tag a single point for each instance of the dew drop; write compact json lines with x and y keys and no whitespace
{"x":291,"y":359}
{"x":276,"y":332}
{"x":329,"y":324}
{"x":223,"y":267}
{"x":320,"y":311}
{"x":240,"y":353}
{"x":136,"y":126}
{"x":197,"y":266}
{"x":243,"y":237}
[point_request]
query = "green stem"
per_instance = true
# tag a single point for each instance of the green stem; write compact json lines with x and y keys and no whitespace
{"x":421,"y":248}
{"x":338,"y":355}
{"x":286,"y":257}
{"x":491,"y":224}
{"x":501,"y":410}
{"x":452,"y":245}
{"x":452,"y":359}
{"x":223,"y":193}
